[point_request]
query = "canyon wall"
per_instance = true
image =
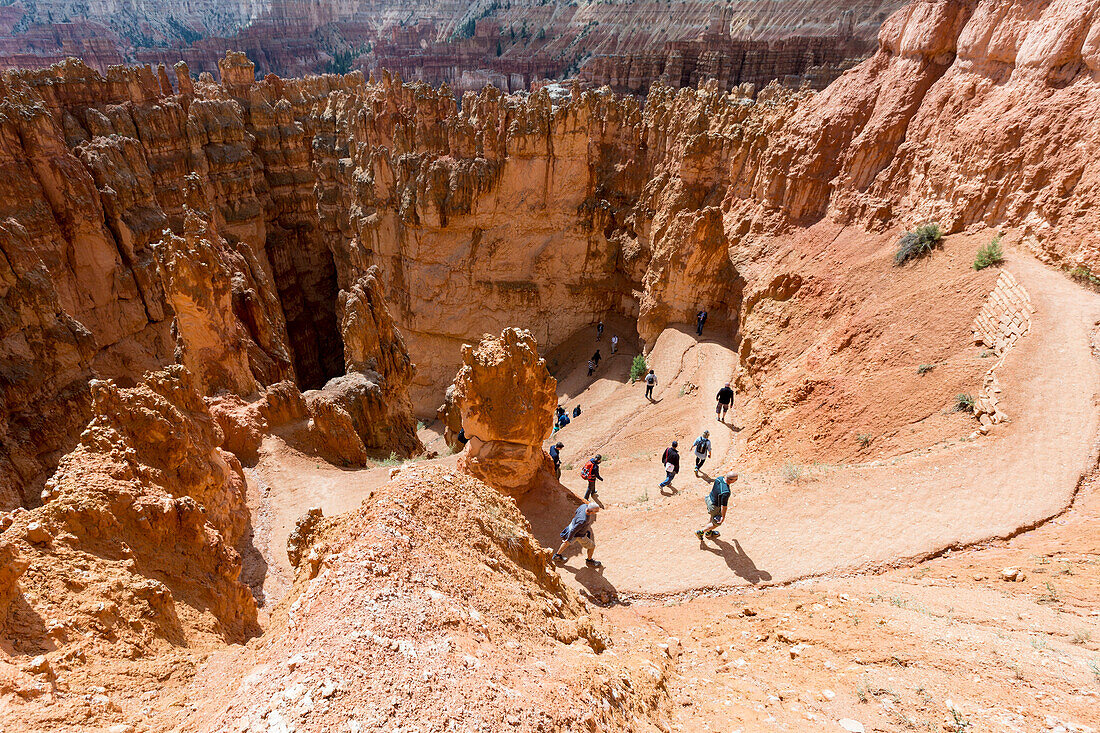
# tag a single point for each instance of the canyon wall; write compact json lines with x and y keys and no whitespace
{"x":142,"y":227}
{"x":325,"y":198}
{"x":463,"y":44}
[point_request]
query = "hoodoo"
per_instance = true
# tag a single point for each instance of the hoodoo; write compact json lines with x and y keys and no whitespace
{"x":505,"y":398}
{"x":231,"y":302}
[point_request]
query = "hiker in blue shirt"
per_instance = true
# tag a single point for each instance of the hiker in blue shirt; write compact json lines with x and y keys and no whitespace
{"x":580,"y":532}
{"x":717,"y":502}
{"x":555,"y":456}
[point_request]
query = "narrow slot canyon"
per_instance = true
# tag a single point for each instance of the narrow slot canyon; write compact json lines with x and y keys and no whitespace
{"x":305,"y":277}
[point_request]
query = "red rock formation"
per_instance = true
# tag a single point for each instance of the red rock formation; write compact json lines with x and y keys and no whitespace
{"x":95,"y":170}
{"x":509,"y":45}
{"x":508,"y":211}
{"x":134,"y":548}
{"x":506,"y":399}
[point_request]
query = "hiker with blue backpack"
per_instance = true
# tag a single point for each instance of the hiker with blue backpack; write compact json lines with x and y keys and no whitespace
{"x":717,"y":502}
{"x":702,"y":448}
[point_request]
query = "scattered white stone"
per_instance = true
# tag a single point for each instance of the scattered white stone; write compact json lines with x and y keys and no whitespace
{"x":328,"y":689}
{"x":852,"y":726}
{"x":37,"y":533}
{"x":1012,"y":575}
{"x":295,"y":662}
{"x":121,"y":728}
{"x":797,"y":650}
{"x":39,"y":665}
{"x":828,"y":694}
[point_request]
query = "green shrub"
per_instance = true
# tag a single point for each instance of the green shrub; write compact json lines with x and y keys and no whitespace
{"x":925,"y":368}
{"x":1084,"y":275}
{"x":918,"y":243}
{"x":638,"y":368}
{"x":990,"y":254}
{"x":864,"y":440}
{"x":792,"y":472}
{"x":964,"y":403}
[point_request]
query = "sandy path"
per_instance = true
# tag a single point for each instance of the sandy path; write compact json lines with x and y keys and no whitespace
{"x":836,"y":519}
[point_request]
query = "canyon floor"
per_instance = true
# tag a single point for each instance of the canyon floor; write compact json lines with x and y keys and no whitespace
{"x":857,"y":593}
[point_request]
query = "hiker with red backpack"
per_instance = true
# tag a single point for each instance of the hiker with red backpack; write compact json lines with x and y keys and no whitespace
{"x":591,"y":473}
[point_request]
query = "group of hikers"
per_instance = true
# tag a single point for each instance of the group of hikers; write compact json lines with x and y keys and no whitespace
{"x":579,"y":530}
{"x":594,"y":362}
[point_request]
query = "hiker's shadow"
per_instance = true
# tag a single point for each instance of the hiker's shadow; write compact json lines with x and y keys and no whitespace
{"x":730,"y":426}
{"x":737,"y":561}
{"x":596,"y":588}
{"x":671,"y":490}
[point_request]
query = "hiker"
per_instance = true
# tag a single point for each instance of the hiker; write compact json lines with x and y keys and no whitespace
{"x":700,"y":319}
{"x":596,"y":357}
{"x":717,"y":502}
{"x":576,"y":411}
{"x":671,"y":461}
{"x":562,"y":421}
{"x":580,"y":532}
{"x":725,"y":399}
{"x":591,"y":474}
{"x":614,"y":344}
{"x":555,"y":456}
{"x":591,"y":367}
{"x":702,"y":450}
{"x":650,"y":383}
{"x":461,"y":437}
{"x":599,"y":331}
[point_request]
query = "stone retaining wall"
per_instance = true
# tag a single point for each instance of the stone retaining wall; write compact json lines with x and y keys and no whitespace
{"x":1003,"y":320}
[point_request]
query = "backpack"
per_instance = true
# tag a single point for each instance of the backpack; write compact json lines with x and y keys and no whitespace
{"x":650,"y":379}
{"x":586,"y":472}
{"x":702,"y":445}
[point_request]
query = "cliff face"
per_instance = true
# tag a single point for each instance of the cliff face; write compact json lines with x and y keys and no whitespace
{"x":327,"y":197}
{"x":141,"y":227}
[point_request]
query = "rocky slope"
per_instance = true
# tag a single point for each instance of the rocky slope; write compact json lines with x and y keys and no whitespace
{"x":136,"y":550}
{"x":431,"y":606}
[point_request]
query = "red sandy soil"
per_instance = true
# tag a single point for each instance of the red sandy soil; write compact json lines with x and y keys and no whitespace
{"x":866,"y":592}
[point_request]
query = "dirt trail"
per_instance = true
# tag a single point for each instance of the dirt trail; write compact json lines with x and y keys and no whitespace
{"x":833,"y":518}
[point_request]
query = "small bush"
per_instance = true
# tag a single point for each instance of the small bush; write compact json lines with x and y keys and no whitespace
{"x":791,"y":472}
{"x":638,"y":368}
{"x":918,"y":243}
{"x":864,"y":440}
{"x":925,"y":368}
{"x":1084,"y":275}
{"x":990,"y":254}
{"x":393,"y":460}
{"x":964,"y":403}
